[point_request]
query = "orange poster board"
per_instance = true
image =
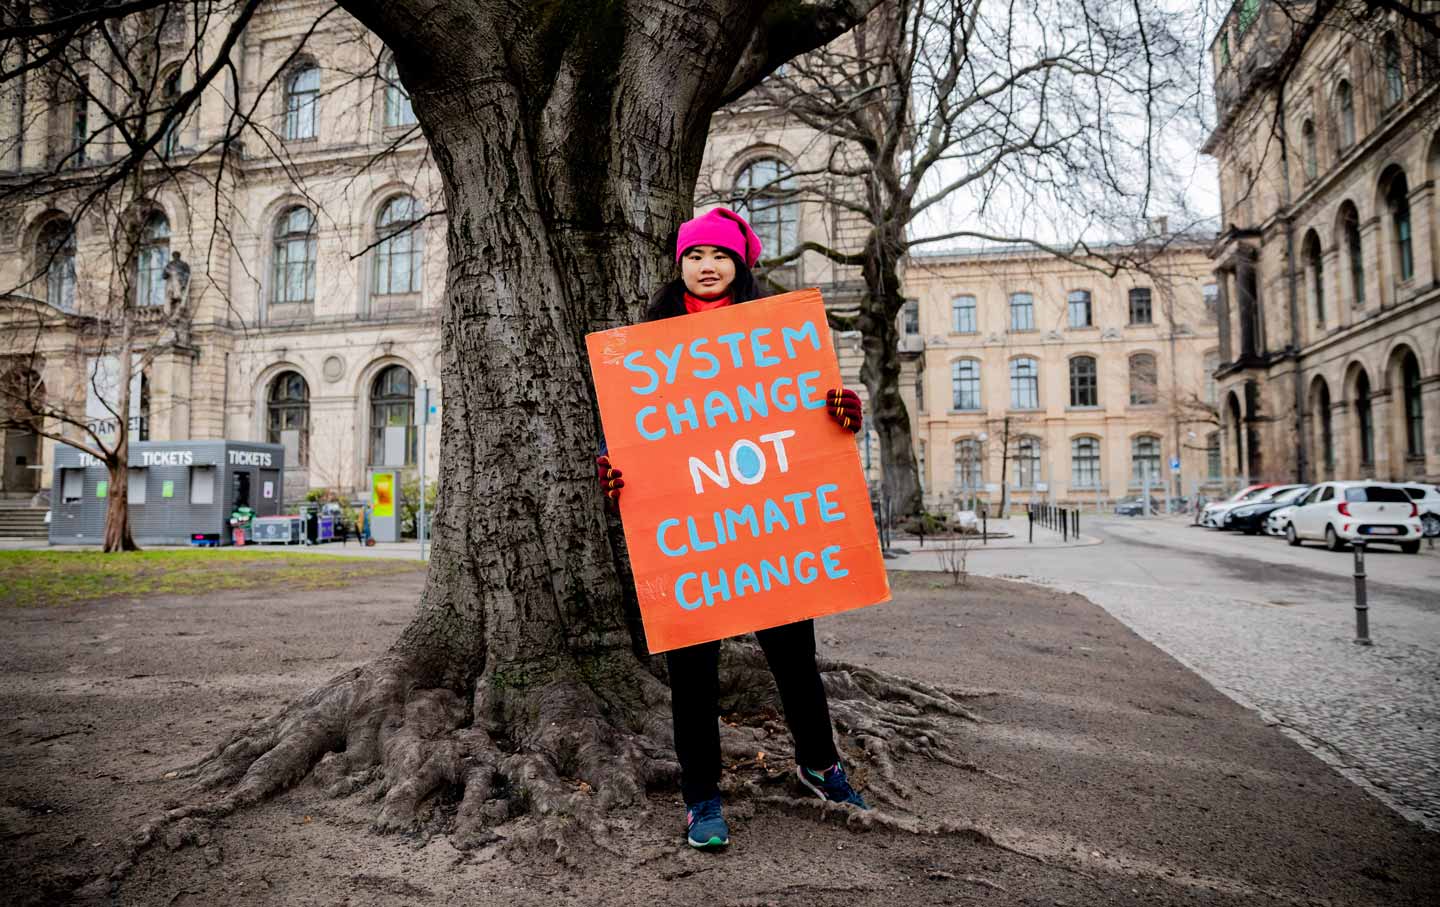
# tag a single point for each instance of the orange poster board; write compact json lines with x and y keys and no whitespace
{"x":745,"y":504}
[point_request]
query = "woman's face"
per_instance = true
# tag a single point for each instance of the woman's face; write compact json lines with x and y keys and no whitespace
{"x":707,"y":271}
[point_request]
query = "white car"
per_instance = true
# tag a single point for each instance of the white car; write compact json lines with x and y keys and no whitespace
{"x":1369,"y":512}
{"x":1427,"y":499}
{"x":1214,"y":513}
{"x":1275,"y":523}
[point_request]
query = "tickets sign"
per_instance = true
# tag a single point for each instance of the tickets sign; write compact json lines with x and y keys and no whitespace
{"x":745,"y":505}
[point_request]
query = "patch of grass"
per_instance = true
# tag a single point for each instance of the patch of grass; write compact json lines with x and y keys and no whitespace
{"x":57,"y":578}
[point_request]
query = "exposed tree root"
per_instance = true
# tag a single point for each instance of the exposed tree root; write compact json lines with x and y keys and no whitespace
{"x":541,"y":757}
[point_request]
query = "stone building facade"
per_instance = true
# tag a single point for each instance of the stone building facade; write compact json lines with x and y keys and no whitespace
{"x":1329,"y":261}
{"x":1062,"y":380}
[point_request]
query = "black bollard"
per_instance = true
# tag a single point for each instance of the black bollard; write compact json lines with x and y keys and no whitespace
{"x":1362,"y":607}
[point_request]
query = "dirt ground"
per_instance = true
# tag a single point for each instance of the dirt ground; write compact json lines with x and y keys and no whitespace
{"x":1118,"y":776}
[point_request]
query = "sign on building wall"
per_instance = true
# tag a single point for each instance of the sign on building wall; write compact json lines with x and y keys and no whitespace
{"x":102,"y":395}
{"x":745,"y":505}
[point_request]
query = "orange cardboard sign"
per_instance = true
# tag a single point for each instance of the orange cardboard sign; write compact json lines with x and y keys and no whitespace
{"x":745,"y":506}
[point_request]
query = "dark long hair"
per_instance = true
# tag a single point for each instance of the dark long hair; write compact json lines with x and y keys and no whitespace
{"x":669,"y":300}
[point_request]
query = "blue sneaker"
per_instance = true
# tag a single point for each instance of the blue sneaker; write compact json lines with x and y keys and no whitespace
{"x":831,"y":785}
{"x":706,"y":828}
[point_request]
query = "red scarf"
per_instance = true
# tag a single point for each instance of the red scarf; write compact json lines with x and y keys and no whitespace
{"x":695,"y":304}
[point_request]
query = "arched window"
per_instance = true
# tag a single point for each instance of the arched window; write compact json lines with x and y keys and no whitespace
{"x":293,"y":254}
{"x":1364,"y":419}
{"x":1024,"y":383}
{"x":1081,"y":313}
{"x":1144,"y":380}
{"x":1027,"y":462}
{"x":1145,"y":460}
{"x":1397,"y":200}
{"x":302,"y":97}
{"x":150,"y":260}
{"x":1346,"y":98}
{"x":57,"y":256}
{"x":764,"y":195}
{"x":400,"y":253}
{"x":1022,"y":312}
{"x":1327,"y":428}
{"x":1085,"y":463}
{"x":1414,"y":414}
{"x":965,"y":384}
{"x":398,"y":111}
{"x":962,"y":315}
{"x":1394,"y":80}
{"x":1312,"y":152}
{"x":969,"y":467}
{"x":1350,"y":223}
{"x":392,"y":411}
{"x":287,"y":416}
{"x":1141,"y":311}
{"x":1315,"y":275}
{"x":1083,"y":388}
{"x":169,"y":94}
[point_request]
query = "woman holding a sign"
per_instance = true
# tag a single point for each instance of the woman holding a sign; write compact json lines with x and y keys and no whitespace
{"x":715,"y":253}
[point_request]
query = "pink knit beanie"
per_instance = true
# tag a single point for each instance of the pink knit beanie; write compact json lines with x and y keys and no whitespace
{"x":719,"y":227}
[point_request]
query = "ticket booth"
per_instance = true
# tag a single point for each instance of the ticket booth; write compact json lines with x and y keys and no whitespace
{"x":181,"y":492}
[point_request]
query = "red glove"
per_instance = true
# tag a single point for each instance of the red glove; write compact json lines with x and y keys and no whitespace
{"x":844,"y":407}
{"x":610,"y":483}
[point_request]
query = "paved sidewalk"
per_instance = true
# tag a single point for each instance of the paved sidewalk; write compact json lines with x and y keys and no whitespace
{"x":1272,"y":627}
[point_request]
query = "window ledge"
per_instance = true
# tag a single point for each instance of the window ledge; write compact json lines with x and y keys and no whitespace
{"x":966,"y":412}
{"x":1023,"y":331}
{"x":1085,"y":409}
{"x":1031,"y":409}
{"x":1083,"y":327}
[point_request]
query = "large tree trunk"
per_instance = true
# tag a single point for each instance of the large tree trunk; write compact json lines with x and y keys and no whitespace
{"x":569,"y":147}
{"x":117,"y":502}
{"x":880,"y":371}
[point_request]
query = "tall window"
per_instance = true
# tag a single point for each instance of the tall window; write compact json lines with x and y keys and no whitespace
{"x":169,"y":94}
{"x":1145,"y":460}
{"x":57,"y":256}
{"x":1027,"y":462}
{"x":910,"y":318}
{"x":1365,"y":420}
{"x":1212,"y":456}
{"x":80,"y":123}
{"x":1315,"y":275}
{"x":1022,"y":312}
{"x":1144,"y":380}
{"x":1081,"y":315}
{"x":1350,"y":220}
{"x":398,"y":111}
{"x":962,"y":315}
{"x":1024,"y":383}
{"x":1085,"y":463}
{"x":293,"y":254}
{"x":1327,"y":431}
{"x":302,"y":97}
{"x":764,"y":195}
{"x":1414,"y":414}
{"x":1210,"y":294}
{"x":920,"y":386}
{"x":1210,"y":363}
{"x":1083,"y":387}
{"x":400,"y":253}
{"x":969,"y":468}
{"x":920,"y":464}
{"x":1346,"y":97}
{"x":965,"y":384}
{"x":1394,"y":80}
{"x":392,"y":405}
{"x":1312,"y":153}
{"x":1140,"y":311}
{"x":287,"y":409}
{"x":1397,"y":199}
{"x":150,"y":261}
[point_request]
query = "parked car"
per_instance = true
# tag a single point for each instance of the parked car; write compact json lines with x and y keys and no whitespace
{"x":1427,"y":500}
{"x":1369,"y":512}
{"x":1215,"y":510}
{"x":1276,"y":520}
{"x":1135,"y":506}
{"x":1250,"y":517}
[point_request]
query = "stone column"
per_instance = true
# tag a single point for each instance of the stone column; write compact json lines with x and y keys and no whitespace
{"x":1430,"y":406}
{"x":1346,"y":439}
{"x":1389,"y":462}
{"x":171,"y":380}
{"x":1421,"y":230}
{"x":1372,"y":247}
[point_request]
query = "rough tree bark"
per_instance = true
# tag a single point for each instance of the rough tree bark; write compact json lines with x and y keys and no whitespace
{"x":569,"y":138}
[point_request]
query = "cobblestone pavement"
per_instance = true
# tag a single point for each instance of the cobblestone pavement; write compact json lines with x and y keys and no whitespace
{"x":1273,"y":627}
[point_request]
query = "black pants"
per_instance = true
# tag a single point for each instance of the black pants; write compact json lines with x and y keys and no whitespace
{"x":694,"y":702}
